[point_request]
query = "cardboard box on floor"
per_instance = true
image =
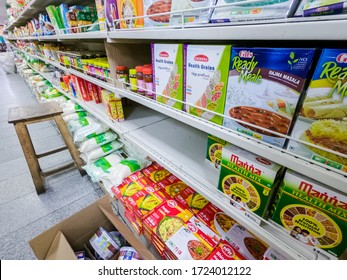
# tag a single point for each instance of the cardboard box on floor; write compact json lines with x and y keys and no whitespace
{"x":73,"y":234}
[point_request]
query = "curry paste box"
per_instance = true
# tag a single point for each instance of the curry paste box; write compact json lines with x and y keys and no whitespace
{"x":206,"y":76}
{"x":191,"y":199}
{"x":225,"y":251}
{"x":323,"y":116}
{"x":155,"y":172}
{"x":312,"y":213}
{"x":249,"y":180}
{"x":214,"y":150}
{"x":172,"y":185}
{"x":264,"y":89}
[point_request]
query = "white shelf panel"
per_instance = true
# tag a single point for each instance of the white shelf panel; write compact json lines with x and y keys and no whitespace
{"x":285,"y":158}
{"x":288,"y":29}
{"x":181,"y":150}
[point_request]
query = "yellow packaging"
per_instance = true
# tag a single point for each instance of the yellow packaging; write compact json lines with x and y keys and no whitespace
{"x":113,"y":105}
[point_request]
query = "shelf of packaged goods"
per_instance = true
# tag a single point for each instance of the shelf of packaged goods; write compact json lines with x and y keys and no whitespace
{"x":315,"y":28}
{"x":73,"y":36}
{"x":283,"y":157}
{"x":181,"y":149}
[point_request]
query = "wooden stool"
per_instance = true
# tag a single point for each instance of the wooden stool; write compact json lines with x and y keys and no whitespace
{"x":21,"y":117}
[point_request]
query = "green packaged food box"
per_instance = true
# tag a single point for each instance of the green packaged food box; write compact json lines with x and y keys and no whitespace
{"x":214,"y":150}
{"x":312,"y":213}
{"x":249,"y":180}
{"x":206,"y":70}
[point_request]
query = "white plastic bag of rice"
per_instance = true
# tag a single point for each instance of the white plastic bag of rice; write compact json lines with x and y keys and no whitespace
{"x":75,"y":125}
{"x":70,"y":107}
{"x":101,"y":151}
{"x":74,"y":116}
{"x":124,"y":169}
{"x":99,"y":169}
{"x":96,"y":141}
{"x":89,"y":131}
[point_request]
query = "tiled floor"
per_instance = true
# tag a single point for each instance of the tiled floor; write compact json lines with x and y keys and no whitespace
{"x":23,"y":213}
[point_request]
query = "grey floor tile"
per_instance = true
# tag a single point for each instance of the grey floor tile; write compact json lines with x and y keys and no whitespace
{"x":13,"y":168}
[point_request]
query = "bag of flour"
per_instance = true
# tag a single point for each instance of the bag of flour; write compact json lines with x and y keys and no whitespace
{"x":97,"y":140}
{"x":101,"y":151}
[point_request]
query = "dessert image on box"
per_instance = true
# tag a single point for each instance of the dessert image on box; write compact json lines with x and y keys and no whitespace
{"x":313,"y":214}
{"x":206,"y":74}
{"x":249,"y":180}
{"x":264,"y":88}
{"x":323,"y":116}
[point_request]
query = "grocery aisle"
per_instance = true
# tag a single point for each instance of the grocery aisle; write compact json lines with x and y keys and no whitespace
{"x":24,"y":214}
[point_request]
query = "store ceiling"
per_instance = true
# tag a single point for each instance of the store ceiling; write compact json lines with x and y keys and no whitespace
{"x":2,"y":11}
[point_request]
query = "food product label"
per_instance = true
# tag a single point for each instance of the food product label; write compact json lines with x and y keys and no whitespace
{"x":83,"y":122}
{"x":206,"y":75}
{"x":127,"y":9}
{"x":100,"y":138}
{"x":128,"y":187}
{"x":153,"y":7}
{"x":192,"y":199}
{"x":103,"y":164}
{"x":208,"y":215}
{"x":322,"y":119}
{"x":81,"y":114}
{"x":214,"y":150}
{"x":172,"y":185}
{"x":313,"y":214}
{"x":106,"y":148}
{"x":155,"y":172}
{"x":167,"y":60}
{"x":249,"y":180}
{"x":264,"y":88}
{"x":225,"y":251}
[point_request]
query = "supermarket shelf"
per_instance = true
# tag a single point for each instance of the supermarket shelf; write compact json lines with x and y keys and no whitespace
{"x":74,"y":36}
{"x":300,"y":164}
{"x":180,"y":150}
{"x":318,"y":28}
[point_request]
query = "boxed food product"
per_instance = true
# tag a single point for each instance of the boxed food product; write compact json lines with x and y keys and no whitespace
{"x":225,"y":251}
{"x":100,"y":9}
{"x":113,"y":105}
{"x":208,"y":215}
{"x":191,"y":199}
{"x":167,"y":61}
{"x":127,"y":9}
{"x":111,"y":14}
{"x":252,"y":11}
{"x":264,"y":88}
{"x":128,"y":187}
{"x":206,"y":76}
{"x":192,"y":16}
{"x":249,"y":180}
{"x":321,"y":8}
{"x":172,"y":185}
{"x":323,"y":116}
{"x":312,"y":213}
{"x":155,"y":172}
{"x":153,"y":7}
{"x":214,"y":150}
{"x":193,"y":241}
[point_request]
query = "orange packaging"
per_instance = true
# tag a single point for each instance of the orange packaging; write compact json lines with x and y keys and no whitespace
{"x":129,"y":9}
{"x":225,"y":251}
{"x":207,"y":215}
{"x":172,"y":185}
{"x":192,"y":199}
{"x":156,"y":172}
{"x":128,"y":187}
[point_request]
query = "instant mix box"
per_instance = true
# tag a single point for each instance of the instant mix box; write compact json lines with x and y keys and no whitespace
{"x":249,"y":180}
{"x":206,"y":75}
{"x":264,"y":88}
{"x":167,"y":61}
{"x":313,"y":214}
{"x":214,"y":150}
{"x":323,"y":117}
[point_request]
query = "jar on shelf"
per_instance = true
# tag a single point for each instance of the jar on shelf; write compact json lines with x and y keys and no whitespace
{"x":133,"y":80}
{"x":122,"y":74}
{"x":139,"y":78}
{"x":148,"y":80}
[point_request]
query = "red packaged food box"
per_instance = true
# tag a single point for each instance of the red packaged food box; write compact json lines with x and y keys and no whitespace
{"x":225,"y":251}
{"x":128,"y":187}
{"x":208,"y":215}
{"x":172,"y":185}
{"x":144,"y":201}
{"x":83,"y":89}
{"x":192,"y":199}
{"x":129,"y":215}
{"x":156,"y":172}
{"x":167,"y":219}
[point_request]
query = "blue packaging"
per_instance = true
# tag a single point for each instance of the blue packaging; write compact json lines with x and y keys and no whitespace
{"x":264,"y":89}
{"x":64,"y":8}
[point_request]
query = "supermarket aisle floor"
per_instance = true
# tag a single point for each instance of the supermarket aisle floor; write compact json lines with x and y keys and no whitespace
{"x":24,"y":214}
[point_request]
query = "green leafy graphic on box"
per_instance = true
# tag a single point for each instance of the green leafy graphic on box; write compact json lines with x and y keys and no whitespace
{"x":292,"y":59}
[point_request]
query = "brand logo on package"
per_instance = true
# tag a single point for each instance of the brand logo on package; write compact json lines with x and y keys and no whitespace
{"x":245,"y":54}
{"x":342,"y":58}
{"x":227,"y":250}
{"x":263,"y":160}
{"x":192,"y":227}
{"x":172,"y":203}
{"x":149,"y":189}
{"x":164,"y":54}
{"x":201,"y":58}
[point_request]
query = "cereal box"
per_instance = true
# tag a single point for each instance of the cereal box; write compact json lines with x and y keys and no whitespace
{"x":225,"y":251}
{"x":127,"y":9}
{"x":270,"y":9}
{"x":206,"y":76}
{"x":193,"y":241}
{"x":167,"y":61}
{"x":214,"y":150}
{"x":190,"y":16}
{"x":323,"y":116}
{"x":312,"y":213}
{"x":249,"y":180}
{"x":264,"y":88}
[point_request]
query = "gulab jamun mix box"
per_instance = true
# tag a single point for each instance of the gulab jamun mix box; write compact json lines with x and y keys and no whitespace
{"x":206,"y":75}
{"x":264,"y":88}
{"x":323,"y":116}
{"x":167,"y":61}
{"x":313,"y":214}
{"x":248,"y":179}
{"x":214,"y":150}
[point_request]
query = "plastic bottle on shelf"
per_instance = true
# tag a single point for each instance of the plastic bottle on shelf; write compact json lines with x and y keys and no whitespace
{"x":140,"y":81}
{"x":133,"y":80}
{"x":122,"y":74}
{"x":148,"y":80}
